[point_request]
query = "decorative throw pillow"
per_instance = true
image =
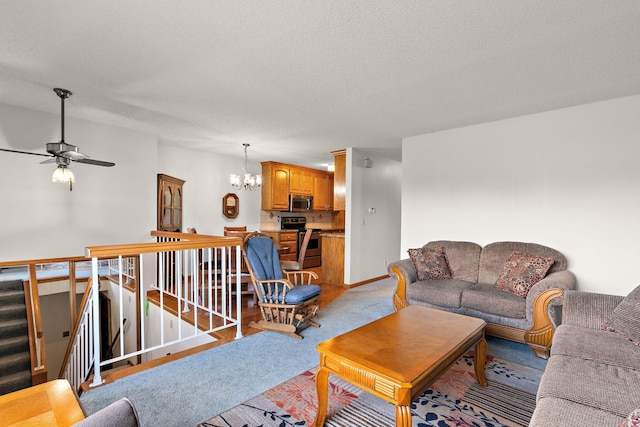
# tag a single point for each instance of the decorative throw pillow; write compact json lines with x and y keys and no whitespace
{"x":625,"y":318}
{"x":632,"y":420}
{"x":520,"y":272}
{"x":430,"y":263}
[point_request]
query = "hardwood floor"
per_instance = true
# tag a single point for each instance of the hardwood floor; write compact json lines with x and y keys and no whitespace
{"x":250,"y":312}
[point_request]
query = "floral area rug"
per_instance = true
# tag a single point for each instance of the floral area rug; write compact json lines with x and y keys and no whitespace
{"x":456,"y":399}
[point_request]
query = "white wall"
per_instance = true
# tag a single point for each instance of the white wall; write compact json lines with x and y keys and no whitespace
{"x":568,"y":179}
{"x":107,"y":205}
{"x":372,"y":239}
{"x":207,"y":181}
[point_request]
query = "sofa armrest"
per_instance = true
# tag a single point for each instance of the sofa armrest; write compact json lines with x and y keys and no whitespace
{"x":406,"y":267}
{"x":564,"y":280}
{"x":588,"y":309}
{"x":405,"y":273}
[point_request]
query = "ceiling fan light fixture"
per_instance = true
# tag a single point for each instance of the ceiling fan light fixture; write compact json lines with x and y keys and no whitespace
{"x":63,"y":175}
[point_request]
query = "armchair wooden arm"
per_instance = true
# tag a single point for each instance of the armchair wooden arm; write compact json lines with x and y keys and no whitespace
{"x":301,"y":277}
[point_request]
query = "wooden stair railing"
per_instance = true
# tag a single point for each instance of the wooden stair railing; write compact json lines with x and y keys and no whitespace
{"x":76,"y":327}
{"x":36,"y":332}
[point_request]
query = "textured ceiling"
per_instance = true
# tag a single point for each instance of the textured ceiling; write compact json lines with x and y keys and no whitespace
{"x":297,"y":79}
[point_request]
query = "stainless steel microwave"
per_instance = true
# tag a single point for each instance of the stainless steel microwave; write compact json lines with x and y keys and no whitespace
{"x":300,"y":203}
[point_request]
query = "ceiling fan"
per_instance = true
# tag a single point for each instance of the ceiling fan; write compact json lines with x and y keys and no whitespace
{"x":62,"y":153}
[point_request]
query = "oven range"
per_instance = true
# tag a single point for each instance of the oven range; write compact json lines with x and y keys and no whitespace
{"x":312,"y":257}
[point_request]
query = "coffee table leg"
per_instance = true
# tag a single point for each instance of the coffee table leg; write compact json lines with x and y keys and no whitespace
{"x":479,"y":361}
{"x":403,"y":416}
{"x":322,"y":380}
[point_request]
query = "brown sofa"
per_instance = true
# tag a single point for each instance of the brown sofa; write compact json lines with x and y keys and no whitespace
{"x":471,"y":290}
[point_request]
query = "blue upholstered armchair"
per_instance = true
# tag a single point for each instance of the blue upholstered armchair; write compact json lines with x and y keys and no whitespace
{"x":288,"y":301}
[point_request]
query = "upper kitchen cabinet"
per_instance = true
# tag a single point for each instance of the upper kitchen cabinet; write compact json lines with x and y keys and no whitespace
{"x":323,"y":191}
{"x":280,"y":179}
{"x":300,"y":180}
{"x":169,"y":203}
{"x":275,"y":186}
{"x":340,"y":180}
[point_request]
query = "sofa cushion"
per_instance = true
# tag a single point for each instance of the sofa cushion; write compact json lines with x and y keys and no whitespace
{"x":521,"y":271}
{"x":610,"y":388}
{"x":625,"y":318}
{"x":463,"y":258}
{"x":443,"y":293}
{"x":596,"y":345}
{"x":493,"y":255}
{"x":301,"y":293}
{"x":430,"y":263}
{"x":552,"y":411}
{"x":489,"y":299}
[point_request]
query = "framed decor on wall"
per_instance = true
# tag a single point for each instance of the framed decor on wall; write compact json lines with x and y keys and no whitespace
{"x":230,"y":205}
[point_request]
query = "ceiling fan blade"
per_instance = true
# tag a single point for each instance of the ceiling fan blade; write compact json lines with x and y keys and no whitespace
{"x":25,"y":152}
{"x":74,"y":155}
{"x":51,"y":160}
{"x":95,"y":162}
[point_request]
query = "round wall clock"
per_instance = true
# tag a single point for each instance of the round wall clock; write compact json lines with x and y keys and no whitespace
{"x":230,"y":205}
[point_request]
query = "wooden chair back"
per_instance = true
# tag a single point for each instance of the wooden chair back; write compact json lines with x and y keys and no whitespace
{"x":303,"y":247}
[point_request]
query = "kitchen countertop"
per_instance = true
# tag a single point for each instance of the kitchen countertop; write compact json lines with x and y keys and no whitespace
{"x":333,"y":234}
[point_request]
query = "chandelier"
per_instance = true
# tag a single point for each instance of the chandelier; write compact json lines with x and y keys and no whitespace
{"x":246,"y":180}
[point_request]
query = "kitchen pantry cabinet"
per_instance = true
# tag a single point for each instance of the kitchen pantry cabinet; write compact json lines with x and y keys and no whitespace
{"x":280,"y":179}
{"x":340,"y":180}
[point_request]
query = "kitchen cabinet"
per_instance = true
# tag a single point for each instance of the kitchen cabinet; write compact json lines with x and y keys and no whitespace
{"x":333,"y":257}
{"x":169,"y":203}
{"x":281,"y":179}
{"x":286,"y":242}
{"x":275,"y":186}
{"x":340,"y":180}
{"x":323,"y":191}
{"x":300,"y":180}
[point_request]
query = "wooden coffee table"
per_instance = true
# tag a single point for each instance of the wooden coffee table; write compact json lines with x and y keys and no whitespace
{"x":400,"y":355}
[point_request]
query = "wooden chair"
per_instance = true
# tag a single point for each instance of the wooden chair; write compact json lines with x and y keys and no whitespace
{"x":289,"y":265}
{"x":245,"y":279}
{"x":287,"y":301}
{"x":235,"y":231}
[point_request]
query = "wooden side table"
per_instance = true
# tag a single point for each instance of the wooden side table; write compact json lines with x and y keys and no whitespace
{"x":48,"y":404}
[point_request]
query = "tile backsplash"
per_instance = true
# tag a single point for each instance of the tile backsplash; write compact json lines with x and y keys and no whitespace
{"x":270,"y":220}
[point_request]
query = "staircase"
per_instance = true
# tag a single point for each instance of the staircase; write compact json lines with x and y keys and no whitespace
{"x":15,"y":359}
